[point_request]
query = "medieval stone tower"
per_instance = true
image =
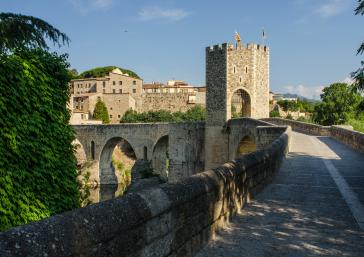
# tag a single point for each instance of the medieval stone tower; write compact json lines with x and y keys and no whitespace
{"x":237,"y":83}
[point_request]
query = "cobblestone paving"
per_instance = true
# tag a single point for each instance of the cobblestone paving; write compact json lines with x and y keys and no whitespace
{"x":304,"y":212}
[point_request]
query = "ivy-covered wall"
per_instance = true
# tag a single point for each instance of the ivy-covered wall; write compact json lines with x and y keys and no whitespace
{"x":37,"y":165}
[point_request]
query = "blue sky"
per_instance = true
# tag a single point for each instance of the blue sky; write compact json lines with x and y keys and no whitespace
{"x":313,"y":42}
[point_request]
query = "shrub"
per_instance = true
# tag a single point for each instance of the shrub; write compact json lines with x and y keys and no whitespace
{"x":37,"y":164}
{"x":100,"y":112}
{"x":274,"y":114}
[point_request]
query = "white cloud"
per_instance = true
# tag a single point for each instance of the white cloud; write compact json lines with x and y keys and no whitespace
{"x":331,"y":8}
{"x":309,"y":92}
{"x":157,"y":13}
{"x":85,"y":6}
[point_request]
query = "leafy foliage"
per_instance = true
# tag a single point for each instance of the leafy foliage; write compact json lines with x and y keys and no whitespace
{"x":339,"y":103}
{"x":37,"y":164}
{"x":299,"y":105}
{"x":274,"y":114}
{"x":358,"y":75}
{"x":196,"y":113}
{"x":19,"y":31}
{"x":100,"y":112}
{"x":104,"y":71}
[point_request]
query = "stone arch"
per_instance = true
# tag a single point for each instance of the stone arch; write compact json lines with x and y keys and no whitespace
{"x":240,"y":103}
{"x":106,"y":167}
{"x":246,"y":145}
{"x":160,"y":157}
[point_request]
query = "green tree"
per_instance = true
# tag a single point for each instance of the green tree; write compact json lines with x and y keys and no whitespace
{"x":274,"y":114}
{"x":339,"y":103}
{"x":37,"y":164}
{"x":100,"y":112}
{"x":358,"y":75}
{"x":19,"y":31}
{"x":196,"y":113}
{"x":104,"y":71}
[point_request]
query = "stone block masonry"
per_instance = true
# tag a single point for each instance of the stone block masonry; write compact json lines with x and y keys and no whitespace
{"x":349,"y":137}
{"x":169,"y":220}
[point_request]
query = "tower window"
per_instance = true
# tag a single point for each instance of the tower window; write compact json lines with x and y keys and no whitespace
{"x":246,"y":69}
{"x":240,"y":79}
{"x":234,"y":69}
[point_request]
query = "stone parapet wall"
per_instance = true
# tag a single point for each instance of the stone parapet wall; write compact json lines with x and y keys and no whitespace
{"x":169,"y":220}
{"x":174,"y":102}
{"x":349,"y":137}
{"x":309,"y":128}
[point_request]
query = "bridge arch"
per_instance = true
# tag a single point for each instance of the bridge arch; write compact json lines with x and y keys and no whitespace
{"x":240,"y":103}
{"x":246,"y":145}
{"x":160,"y":157}
{"x":106,"y":165}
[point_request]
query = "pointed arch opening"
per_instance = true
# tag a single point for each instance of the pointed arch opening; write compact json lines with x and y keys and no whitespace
{"x":240,"y":104}
{"x":116,"y":163}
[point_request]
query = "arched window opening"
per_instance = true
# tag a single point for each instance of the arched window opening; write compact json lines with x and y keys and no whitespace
{"x":246,"y":145}
{"x":145,"y":153}
{"x":92,"y":150}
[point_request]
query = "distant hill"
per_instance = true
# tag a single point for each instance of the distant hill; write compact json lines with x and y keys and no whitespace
{"x":289,"y":95}
{"x":104,"y":71}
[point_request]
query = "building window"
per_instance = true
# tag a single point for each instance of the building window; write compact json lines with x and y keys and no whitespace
{"x":81,"y":116}
{"x":110,"y":108}
{"x":113,"y":83}
{"x":104,"y":91}
{"x":134,"y":90}
{"x":240,"y":79}
{"x":120,"y":91}
{"x":104,"y":84}
{"x":110,"y":116}
{"x":119,"y":116}
{"x":113,"y":91}
{"x":120,"y":83}
{"x":93,"y":150}
{"x":134,"y":82}
{"x":246,"y":69}
{"x":234,"y":69}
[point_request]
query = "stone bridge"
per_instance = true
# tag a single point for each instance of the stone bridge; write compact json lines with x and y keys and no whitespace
{"x":184,"y":143}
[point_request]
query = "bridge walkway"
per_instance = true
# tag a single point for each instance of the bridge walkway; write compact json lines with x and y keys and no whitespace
{"x":314,"y":207}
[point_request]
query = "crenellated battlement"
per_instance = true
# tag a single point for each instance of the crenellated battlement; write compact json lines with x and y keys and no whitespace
{"x":232,"y":47}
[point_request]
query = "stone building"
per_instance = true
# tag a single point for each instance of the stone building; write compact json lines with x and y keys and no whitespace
{"x":174,"y":96}
{"x":118,"y":91}
{"x":237,"y":83}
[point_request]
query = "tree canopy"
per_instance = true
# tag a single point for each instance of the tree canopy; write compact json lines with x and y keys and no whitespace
{"x":104,"y":71}
{"x":100,"y":112}
{"x":196,"y":113}
{"x":339,"y":103}
{"x":19,"y":31}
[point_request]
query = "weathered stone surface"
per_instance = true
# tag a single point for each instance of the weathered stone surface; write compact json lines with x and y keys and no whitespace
{"x":169,"y":220}
{"x":344,"y":134}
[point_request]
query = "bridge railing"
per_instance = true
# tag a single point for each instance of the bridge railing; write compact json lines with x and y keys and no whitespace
{"x":169,"y":220}
{"x":349,"y":137}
